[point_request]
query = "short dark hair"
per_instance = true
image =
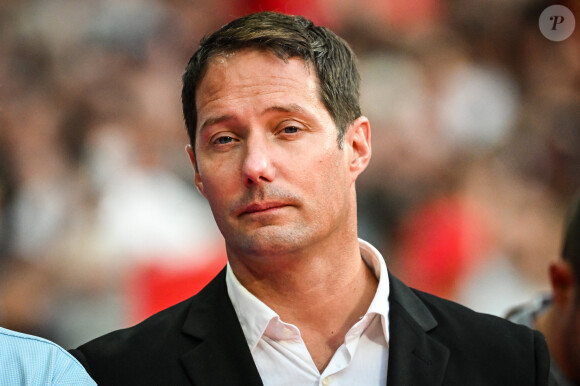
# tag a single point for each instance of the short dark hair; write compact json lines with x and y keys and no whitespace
{"x":571,"y":242}
{"x":287,"y":37}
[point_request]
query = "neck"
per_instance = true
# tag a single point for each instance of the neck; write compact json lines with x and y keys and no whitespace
{"x":554,"y":324}
{"x":303,"y":278}
{"x":308,"y":289}
{"x":544,"y":323}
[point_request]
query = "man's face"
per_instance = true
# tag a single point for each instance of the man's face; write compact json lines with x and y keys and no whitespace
{"x":267,"y":156}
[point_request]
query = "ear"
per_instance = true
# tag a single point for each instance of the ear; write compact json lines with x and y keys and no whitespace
{"x":562,"y":281}
{"x":358,"y":141}
{"x":198,"y":182}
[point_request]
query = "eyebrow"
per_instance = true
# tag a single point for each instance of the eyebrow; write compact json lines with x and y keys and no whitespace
{"x":291,"y":108}
{"x":213,"y":120}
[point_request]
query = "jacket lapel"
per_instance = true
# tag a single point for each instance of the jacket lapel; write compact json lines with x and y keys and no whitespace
{"x":222,"y":356}
{"x":415,"y":358}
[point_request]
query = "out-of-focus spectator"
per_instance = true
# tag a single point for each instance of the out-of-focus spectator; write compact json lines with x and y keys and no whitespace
{"x":525,"y":218}
{"x":26,"y":296}
{"x":88,"y":91}
{"x":557,"y":314}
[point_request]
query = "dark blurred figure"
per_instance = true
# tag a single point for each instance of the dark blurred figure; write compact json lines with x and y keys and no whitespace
{"x":557,"y":315}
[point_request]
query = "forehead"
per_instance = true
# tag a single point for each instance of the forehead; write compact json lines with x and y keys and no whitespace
{"x":246,"y":63}
{"x":251,"y":75}
{"x":251,"y":54}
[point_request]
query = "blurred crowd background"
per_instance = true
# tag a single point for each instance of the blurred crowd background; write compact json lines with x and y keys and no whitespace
{"x":476,"y":152}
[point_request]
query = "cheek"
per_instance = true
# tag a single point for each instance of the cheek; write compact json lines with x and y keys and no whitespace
{"x":336,"y":172}
{"x":331,"y":182}
{"x":219,"y":191}
{"x":216,"y":174}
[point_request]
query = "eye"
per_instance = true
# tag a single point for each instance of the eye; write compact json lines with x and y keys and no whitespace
{"x":291,"y":130}
{"x":223,"y":140}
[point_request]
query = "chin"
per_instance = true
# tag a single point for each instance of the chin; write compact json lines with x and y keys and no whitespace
{"x":269,"y":242}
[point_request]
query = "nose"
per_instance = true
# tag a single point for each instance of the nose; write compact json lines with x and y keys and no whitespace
{"x":257,"y":165}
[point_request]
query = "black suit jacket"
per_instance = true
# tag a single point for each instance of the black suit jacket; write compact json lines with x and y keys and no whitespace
{"x":432,"y":342}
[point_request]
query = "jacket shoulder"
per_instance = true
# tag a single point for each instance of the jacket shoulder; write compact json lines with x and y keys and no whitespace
{"x":154,"y":347}
{"x":463,"y":320}
{"x":492,"y":344}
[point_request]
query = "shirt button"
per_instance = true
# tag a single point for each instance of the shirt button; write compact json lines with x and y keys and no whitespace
{"x":325,"y":382}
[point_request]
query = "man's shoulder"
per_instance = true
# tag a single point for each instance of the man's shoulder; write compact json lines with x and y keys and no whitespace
{"x":155,"y":345}
{"x":16,"y":337}
{"x":485,"y":337}
{"x":162,"y":325}
{"x":461,"y":320}
{"x":18,"y":344}
{"x":477,"y":346}
{"x":167,"y":322}
{"x":450,"y":315}
{"x":35,"y":360}
{"x":457,"y":326}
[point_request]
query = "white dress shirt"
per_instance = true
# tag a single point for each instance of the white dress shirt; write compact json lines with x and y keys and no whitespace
{"x":281,"y":355}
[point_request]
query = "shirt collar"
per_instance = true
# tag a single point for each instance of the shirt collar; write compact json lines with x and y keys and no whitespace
{"x":380,"y":303}
{"x":254,"y":315}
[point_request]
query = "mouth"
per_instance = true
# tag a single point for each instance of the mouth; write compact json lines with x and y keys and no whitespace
{"x":263,"y":207}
